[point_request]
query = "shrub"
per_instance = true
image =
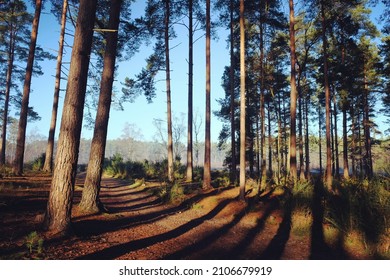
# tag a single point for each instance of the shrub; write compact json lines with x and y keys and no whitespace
{"x":34,"y":243}
{"x":360,"y":205}
{"x":36,"y":164}
{"x":171,"y":194}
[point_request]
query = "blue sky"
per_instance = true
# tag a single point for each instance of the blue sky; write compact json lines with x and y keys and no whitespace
{"x":140,"y":112}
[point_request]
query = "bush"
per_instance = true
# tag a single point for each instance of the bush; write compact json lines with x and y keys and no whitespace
{"x":116,"y":167}
{"x":37,"y":164}
{"x":361,"y":205}
{"x":171,"y":194}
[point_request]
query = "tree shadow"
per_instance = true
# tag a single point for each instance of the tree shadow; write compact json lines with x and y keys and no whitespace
{"x":208,"y":239}
{"x":139,"y":206}
{"x":85,"y":228}
{"x":320,"y":250}
{"x":122,"y":249}
{"x":240,"y":248}
{"x":276,"y":246}
{"x":108,"y":203}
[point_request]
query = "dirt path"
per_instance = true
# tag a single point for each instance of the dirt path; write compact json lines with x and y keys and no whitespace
{"x":204,"y":225}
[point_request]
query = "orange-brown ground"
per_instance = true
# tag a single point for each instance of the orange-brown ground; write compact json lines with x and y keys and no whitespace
{"x":200,"y":225}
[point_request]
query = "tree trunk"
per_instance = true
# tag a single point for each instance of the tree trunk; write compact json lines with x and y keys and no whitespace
{"x":10,"y":65}
{"x":320,"y":136}
{"x":279,"y":145}
{"x":269,"y":141}
{"x":345,"y":145}
{"x":189,"y":172}
{"x":328,"y":172}
{"x":242,"y":103}
{"x":344,"y":106}
{"x":353,"y":141}
{"x":307,"y":150}
{"x":300,"y":132}
{"x":336,"y":141}
{"x":58,"y":212}
{"x":21,"y":139}
{"x":293,"y":97}
{"x":168,"y":88}
{"x":232,"y":98}
{"x":48,"y":165}
{"x":90,"y":200}
{"x":263,"y":174}
{"x":367,"y":126}
{"x":332,"y":142}
{"x":207,"y":152}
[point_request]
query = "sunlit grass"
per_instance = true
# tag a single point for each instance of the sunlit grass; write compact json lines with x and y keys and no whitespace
{"x":301,"y":222}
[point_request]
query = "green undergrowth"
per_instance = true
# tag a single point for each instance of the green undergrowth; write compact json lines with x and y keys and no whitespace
{"x":357,"y":210}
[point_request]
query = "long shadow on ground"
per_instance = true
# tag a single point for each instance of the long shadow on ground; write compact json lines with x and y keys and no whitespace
{"x":122,"y":249}
{"x":86,"y":228}
{"x":276,"y":246}
{"x":227,"y":252}
{"x":320,"y":250}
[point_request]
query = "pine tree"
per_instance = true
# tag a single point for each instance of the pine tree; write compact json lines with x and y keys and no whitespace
{"x":58,"y":213}
{"x":89,"y":200}
{"x":19,"y":155}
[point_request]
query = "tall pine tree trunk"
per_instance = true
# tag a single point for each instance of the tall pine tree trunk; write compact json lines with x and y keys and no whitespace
{"x":48,"y":165}
{"x":189,"y":171}
{"x":328,"y":172}
{"x":207,"y":152}
{"x":168,"y":88}
{"x":293,"y":96}
{"x":367,"y":126}
{"x":90,"y":196}
{"x":300,"y":133}
{"x":232,"y":98}
{"x":10,"y":65}
{"x":21,"y":139}
{"x":344,"y":106}
{"x":263,"y":174}
{"x":345,"y":145}
{"x":269,"y":140}
{"x":59,"y":206}
{"x":320,"y":137}
{"x":353,"y":141}
{"x":242,"y":103}
{"x":307,"y":150}
{"x":336,"y":140}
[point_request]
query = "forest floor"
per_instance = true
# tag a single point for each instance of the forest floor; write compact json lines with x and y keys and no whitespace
{"x":138,"y":225}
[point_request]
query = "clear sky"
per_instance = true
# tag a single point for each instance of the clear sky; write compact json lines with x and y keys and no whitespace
{"x":140,"y":112}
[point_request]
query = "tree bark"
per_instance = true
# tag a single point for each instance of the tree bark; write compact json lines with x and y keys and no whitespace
{"x":90,"y":196}
{"x":189,"y":171}
{"x":269,"y":141}
{"x":345,"y":145}
{"x":48,"y":165}
{"x":232,"y":98}
{"x":300,"y":132}
{"x":336,"y":141}
{"x":168,"y":88}
{"x":367,"y":126}
{"x":242,"y":103}
{"x":307,"y":151}
{"x":320,"y":137}
{"x":21,"y":139}
{"x":207,"y":153}
{"x":293,"y":97}
{"x":58,"y":213}
{"x":10,"y":65}
{"x":328,"y":172}
{"x":263,"y":174}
